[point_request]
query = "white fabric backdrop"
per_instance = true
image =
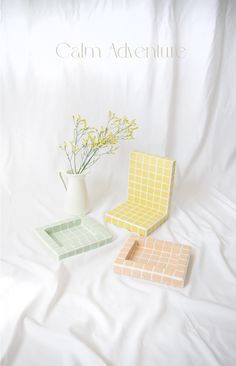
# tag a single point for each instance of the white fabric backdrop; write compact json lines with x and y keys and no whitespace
{"x":78,"y":312}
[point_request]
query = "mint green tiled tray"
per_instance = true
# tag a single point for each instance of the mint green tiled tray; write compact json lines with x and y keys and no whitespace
{"x":74,"y":236}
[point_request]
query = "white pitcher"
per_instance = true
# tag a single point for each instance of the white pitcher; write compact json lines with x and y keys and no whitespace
{"x":76,"y":202}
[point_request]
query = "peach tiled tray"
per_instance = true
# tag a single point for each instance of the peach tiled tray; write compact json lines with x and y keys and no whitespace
{"x":154,"y":260}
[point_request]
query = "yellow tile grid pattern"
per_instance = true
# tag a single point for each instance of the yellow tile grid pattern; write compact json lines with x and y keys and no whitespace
{"x":154,"y":260}
{"x":150,"y":185}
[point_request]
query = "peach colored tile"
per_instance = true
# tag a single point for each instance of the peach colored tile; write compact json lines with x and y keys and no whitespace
{"x":138,"y":274}
{"x":119,"y":260}
{"x":126,"y":271}
{"x":128,"y":263}
{"x":159,"y":267}
{"x":176,"y":249}
{"x":179,"y":267}
{"x":149,"y":267}
{"x":163,"y":260}
{"x":177,"y":283}
{"x":149,"y":243}
{"x":156,"y":278}
{"x":169,"y":270}
{"x":183,"y":261}
{"x":135,"y":273}
{"x":186,"y":249}
{"x":117,"y":269}
{"x":174,"y":261}
{"x":146,"y":276}
{"x":167,"y":280}
{"x":159,"y":246}
{"x":165,"y":254}
{"x":179,"y":274}
{"x":167,"y":248}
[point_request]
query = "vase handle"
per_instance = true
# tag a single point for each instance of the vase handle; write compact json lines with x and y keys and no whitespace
{"x":61,"y":172}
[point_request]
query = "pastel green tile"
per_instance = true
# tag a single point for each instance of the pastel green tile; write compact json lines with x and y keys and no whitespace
{"x":74,"y":236}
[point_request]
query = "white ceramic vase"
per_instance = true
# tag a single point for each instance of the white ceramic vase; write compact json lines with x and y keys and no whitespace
{"x":76,"y":201}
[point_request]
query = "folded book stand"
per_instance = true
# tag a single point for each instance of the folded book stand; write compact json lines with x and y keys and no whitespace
{"x":150,"y":185}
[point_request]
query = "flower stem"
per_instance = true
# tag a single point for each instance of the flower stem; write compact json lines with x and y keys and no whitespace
{"x":87,"y":160}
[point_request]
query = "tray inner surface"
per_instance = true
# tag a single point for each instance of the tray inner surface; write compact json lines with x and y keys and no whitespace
{"x":75,"y":233}
{"x":161,"y":256}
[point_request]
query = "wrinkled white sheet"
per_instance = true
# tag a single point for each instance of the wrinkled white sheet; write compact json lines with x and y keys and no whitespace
{"x":77,"y":312}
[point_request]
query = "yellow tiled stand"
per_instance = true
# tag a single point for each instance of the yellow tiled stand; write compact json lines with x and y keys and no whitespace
{"x":150,"y":185}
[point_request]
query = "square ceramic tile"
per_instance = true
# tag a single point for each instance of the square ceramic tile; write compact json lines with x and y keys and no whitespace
{"x":74,"y":236}
{"x":154,"y":260}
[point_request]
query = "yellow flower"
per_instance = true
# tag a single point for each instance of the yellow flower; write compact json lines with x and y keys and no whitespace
{"x":91,"y":139}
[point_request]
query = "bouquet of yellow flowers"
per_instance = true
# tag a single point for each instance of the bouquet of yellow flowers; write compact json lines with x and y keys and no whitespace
{"x":89,"y":144}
